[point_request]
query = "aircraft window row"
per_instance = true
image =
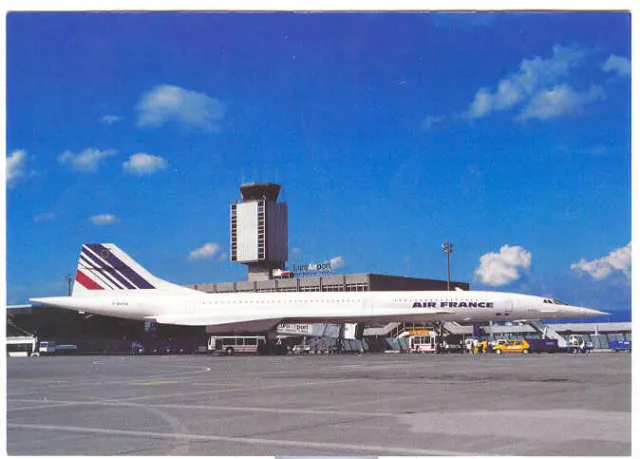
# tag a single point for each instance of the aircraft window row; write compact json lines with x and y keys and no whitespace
{"x":342,"y":300}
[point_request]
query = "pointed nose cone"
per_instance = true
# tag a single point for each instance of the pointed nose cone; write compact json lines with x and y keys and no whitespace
{"x":587,"y":312}
{"x":581,"y":312}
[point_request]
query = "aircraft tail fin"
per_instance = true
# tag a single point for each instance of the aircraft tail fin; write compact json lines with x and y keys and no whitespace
{"x":106,"y":267}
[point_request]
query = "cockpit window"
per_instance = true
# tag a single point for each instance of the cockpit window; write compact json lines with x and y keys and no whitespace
{"x":546,"y":300}
{"x":559,"y":302}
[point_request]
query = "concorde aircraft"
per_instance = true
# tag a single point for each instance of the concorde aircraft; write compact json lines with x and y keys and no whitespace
{"x":109,"y":282}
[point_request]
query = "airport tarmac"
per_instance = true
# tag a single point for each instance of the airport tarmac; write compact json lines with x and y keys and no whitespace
{"x":386,"y":405}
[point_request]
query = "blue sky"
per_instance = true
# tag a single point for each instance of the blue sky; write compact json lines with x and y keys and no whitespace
{"x":508,"y":134}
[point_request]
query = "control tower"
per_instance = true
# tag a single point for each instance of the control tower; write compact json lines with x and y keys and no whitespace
{"x":259,"y":230}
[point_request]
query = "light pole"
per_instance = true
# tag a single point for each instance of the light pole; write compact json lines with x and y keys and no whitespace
{"x":447,"y":248}
{"x":68,"y":278}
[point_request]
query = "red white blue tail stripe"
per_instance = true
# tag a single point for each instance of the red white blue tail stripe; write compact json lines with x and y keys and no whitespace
{"x":105,"y":267}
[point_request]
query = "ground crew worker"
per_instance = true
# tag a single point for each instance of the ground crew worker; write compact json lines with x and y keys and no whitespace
{"x":484,"y":346}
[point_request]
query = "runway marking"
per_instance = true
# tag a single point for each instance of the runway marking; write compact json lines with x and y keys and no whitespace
{"x":37,"y":381}
{"x":237,"y":389}
{"x":153,"y":383}
{"x":324,"y":446}
{"x":212,"y":384}
{"x":113,"y":404}
{"x":54,"y":403}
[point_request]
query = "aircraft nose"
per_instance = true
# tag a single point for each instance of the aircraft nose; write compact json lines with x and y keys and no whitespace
{"x":588,"y":312}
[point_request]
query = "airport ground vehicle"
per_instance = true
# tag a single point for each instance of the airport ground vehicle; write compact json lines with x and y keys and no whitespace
{"x":424,"y":343}
{"x":512,"y":346}
{"x":576,"y":344}
{"x":230,"y":345}
{"x":542,"y":345}
{"x":51,"y":348}
{"x":21,"y":345}
{"x":301,"y":349}
{"x":452,"y":344}
{"x":620,"y":345}
{"x":47,"y":347}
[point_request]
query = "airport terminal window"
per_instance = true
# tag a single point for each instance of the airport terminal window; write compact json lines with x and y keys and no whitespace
{"x":357,"y":287}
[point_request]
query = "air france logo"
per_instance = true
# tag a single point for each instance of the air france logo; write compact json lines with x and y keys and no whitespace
{"x":453,"y":304}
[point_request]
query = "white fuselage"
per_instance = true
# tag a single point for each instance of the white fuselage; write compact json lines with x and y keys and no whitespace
{"x":267,"y":309}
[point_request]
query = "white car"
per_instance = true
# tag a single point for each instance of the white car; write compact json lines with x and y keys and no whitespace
{"x":301,"y":349}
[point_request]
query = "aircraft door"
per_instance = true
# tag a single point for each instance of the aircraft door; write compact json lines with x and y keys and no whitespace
{"x":508,"y":307}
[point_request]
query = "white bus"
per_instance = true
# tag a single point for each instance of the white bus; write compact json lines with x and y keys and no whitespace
{"x":18,"y":346}
{"x":423,"y":343}
{"x":230,"y":345}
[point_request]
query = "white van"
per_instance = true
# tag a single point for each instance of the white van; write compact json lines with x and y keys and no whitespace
{"x":47,"y":347}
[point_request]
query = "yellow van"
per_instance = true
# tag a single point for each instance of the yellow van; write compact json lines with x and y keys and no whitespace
{"x":512,"y":346}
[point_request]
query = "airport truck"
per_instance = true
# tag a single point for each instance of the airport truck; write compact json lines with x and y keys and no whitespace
{"x":577,"y":344}
{"x":542,"y":345}
{"x":620,"y":345}
{"x":53,"y":348}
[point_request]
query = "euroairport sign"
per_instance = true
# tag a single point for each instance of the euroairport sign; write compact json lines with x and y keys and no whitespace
{"x":312,"y":268}
{"x":293,"y":329}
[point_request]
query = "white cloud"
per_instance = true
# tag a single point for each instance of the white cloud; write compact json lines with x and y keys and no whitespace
{"x":103,"y":219}
{"x":296,"y":251}
{"x":209,"y":250}
{"x":502,"y":268}
{"x":337,"y":263}
{"x":144,"y":164}
{"x":86,"y":161}
{"x":43,"y":217}
{"x":533,"y":76}
{"x":167,"y":103}
{"x":482,"y":104}
{"x":617,"y":260}
{"x":16,"y":166}
{"x":110,"y":119}
{"x":618,"y":64}
{"x":430,"y":121}
{"x":558,"y":101}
